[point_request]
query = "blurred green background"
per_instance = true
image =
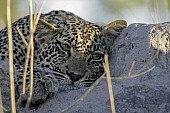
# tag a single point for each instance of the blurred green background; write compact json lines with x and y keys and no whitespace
{"x":97,"y":11}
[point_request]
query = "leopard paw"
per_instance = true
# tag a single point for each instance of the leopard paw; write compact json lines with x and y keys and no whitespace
{"x":43,"y":89}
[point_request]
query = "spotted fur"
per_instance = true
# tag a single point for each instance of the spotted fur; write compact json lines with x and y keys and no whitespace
{"x":69,"y":57}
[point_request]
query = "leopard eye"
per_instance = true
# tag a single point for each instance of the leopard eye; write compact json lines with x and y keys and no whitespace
{"x":65,"y":47}
{"x":97,"y":56}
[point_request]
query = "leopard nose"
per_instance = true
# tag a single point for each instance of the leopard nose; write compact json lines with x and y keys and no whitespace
{"x":74,"y":77}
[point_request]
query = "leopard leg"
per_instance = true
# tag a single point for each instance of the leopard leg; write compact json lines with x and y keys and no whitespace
{"x":43,"y":88}
{"x":46,"y":88}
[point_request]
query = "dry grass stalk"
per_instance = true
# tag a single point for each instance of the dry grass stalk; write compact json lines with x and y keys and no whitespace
{"x":25,"y":69}
{"x":107,"y":71}
{"x":22,"y":36}
{"x":141,"y":71}
{"x":33,"y":24}
{"x":131,"y":68}
{"x":149,"y":62}
{"x":132,"y":75}
{"x":32,"y":57}
{"x":48,"y":24}
{"x":84,"y":95}
{"x":11,"y":70}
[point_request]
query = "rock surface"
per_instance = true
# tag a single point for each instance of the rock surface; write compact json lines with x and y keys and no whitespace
{"x":140,"y":67}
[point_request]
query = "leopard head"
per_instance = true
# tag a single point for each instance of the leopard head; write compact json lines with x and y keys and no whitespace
{"x":75,"y":50}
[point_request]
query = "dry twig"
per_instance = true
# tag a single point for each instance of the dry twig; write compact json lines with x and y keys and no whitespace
{"x":22,"y":36}
{"x":48,"y":24}
{"x":107,"y":71}
{"x":11,"y":70}
{"x":33,"y":25}
{"x":32,"y":57}
{"x":141,"y":71}
{"x":131,"y":68}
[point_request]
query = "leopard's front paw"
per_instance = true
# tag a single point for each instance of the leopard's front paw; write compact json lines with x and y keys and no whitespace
{"x":42,"y":89}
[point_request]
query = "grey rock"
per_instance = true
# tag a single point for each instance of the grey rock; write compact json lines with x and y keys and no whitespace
{"x":147,"y":46}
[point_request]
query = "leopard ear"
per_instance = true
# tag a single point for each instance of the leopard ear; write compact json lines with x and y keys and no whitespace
{"x":44,"y":31}
{"x":111,"y":31}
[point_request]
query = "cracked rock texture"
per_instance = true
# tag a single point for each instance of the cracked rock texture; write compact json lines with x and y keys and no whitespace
{"x":140,"y":67}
